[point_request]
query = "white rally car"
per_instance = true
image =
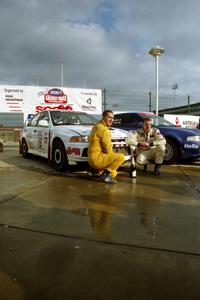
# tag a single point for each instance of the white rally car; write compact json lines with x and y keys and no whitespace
{"x":62,"y":137}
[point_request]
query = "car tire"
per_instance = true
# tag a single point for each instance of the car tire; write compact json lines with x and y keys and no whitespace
{"x":59,"y":157}
{"x":24,"y":149}
{"x":1,"y":147}
{"x":171,"y":151}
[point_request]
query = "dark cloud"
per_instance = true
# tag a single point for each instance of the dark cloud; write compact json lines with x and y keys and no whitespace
{"x":100,"y":43}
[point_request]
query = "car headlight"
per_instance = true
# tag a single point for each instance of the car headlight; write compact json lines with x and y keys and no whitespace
{"x":194,"y":138}
{"x":79,"y":139}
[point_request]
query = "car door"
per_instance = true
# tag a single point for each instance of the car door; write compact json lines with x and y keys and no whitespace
{"x":31,"y":134}
{"x":43,"y":133}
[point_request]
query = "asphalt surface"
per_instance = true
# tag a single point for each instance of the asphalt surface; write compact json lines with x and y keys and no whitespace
{"x":65,"y":236}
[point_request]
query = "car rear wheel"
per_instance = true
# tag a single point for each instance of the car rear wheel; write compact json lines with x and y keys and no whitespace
{"x":24,"y":149}
{"x":1,"y":147}
{"x":171,"y":151}
{"x":59,"y":157}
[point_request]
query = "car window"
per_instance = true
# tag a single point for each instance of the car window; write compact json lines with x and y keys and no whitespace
{"x":131,"y":120}
{"x":57,"y":118}
{"x":87,"y":119}
{"x":44,"y":116}
{"x":160,"y":121}
{"x":71,"y":118}
{"x":127,"y":121}
{"x":117,"y":121}
{"x":33,"y":121}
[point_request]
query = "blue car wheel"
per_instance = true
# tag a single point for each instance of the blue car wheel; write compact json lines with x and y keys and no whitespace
{"x":171,"y":152}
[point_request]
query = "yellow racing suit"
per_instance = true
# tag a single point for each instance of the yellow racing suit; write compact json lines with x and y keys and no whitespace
{"x":100,"y":150}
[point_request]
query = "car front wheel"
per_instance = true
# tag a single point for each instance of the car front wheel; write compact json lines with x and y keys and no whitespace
{"x":59,"y":157}
{"x":171,"y":151}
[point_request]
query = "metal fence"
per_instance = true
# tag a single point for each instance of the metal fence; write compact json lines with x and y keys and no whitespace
{"x":127,"y":100}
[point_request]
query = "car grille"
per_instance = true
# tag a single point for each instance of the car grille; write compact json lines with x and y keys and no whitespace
{"x":119,"y":146}
{"x":125,"y":149}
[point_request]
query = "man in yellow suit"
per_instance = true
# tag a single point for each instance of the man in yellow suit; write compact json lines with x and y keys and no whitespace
{"x":100,"y":151}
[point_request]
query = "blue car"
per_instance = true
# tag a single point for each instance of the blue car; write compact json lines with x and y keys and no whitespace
{"x":182,"y":143}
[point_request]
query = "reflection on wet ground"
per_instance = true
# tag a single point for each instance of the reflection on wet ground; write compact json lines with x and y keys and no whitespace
{"x":71,"y":226}
{"x":10,"y":289}
{"x":137,"y":211}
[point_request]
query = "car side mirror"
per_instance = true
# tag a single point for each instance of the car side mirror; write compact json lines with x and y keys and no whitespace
{"x":26,"y":123}
{"x":43,"y":123}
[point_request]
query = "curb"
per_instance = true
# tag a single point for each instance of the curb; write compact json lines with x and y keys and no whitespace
{"x":10,"y":145}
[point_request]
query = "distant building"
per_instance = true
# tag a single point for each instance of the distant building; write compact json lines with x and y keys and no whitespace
{"x":11,"y":119}
{"x":192,"y":109}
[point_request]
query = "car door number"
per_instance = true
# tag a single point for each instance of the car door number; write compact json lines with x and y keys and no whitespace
{"x":40,"y":142}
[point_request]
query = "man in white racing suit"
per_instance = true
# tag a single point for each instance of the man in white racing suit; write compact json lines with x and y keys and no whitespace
{"x":148,"y":144}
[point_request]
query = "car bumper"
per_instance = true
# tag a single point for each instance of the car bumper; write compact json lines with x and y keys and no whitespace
{"x":77,"y":154}
{"x":190,"y":150}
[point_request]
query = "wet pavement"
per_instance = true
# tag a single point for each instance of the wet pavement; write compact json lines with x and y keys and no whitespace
{"x":64,"y":236}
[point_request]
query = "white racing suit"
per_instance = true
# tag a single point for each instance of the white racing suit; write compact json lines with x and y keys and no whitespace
{"x":157,"y":146}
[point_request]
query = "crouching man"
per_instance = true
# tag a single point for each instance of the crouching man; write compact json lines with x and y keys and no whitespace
{"x":100,"y":151}
{"x":149,"y":144}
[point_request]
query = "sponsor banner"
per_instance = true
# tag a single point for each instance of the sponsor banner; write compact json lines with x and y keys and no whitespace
{"x":32,"y":99}
{"x":185,"y":121}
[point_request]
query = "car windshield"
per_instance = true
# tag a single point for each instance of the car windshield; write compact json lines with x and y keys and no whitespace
{"x":71,"y":118}
{"x":160,"y":121}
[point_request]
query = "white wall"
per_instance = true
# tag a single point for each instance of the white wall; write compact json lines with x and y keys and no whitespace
{"x":186,"y":121}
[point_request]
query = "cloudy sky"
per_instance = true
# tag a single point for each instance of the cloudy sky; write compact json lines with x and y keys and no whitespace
{"x":101,"y":43}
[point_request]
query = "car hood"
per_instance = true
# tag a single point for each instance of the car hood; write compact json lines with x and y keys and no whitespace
{"x":86,"y":129}
{"x":116,"y":133}
{"x":76,"y":129}
{"x":186,"y":131}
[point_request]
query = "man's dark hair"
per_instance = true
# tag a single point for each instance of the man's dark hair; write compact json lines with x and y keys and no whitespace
{"x":106,"y":112}
{"x":147,"y":119}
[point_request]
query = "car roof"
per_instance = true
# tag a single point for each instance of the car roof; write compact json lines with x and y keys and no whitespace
{"x":135,"y":112}
{"x":64,"y":110}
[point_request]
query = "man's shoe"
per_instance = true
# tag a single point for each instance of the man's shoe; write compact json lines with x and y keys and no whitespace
{"x":92,"y":172}
{"x":106,"y":177}
{"x":157,"y":169}
{"x":109,"y":179}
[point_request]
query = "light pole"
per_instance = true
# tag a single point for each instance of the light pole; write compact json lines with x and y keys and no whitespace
{"x":174,"y":87}
{"x":156,"y":52}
